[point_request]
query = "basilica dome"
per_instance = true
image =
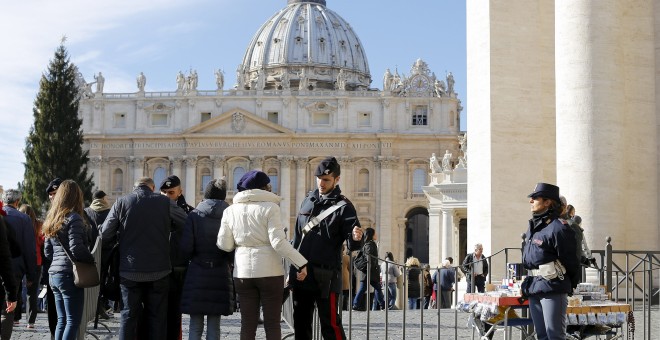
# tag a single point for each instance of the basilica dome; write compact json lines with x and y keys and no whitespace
{"x":305,"y":46}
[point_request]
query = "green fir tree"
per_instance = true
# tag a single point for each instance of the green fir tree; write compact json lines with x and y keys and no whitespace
{"x":53,"y":147}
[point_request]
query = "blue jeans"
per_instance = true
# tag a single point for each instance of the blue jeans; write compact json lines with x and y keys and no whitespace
{"x":391,"y":290}
{"x":150,"y":297}
{"x":379,"y":299}
{"x":548,"y":313}
{"x":69,"y":302}
{"x":413,"y":303}
{"x":197,"y":327}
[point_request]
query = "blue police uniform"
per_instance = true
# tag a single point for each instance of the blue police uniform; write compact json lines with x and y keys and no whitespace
{"x":549,"y":239}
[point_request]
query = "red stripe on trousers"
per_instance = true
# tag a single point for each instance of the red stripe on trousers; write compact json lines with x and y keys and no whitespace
{"x":333,"y":315}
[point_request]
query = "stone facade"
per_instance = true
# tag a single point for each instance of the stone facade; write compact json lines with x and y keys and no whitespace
{"x":579,"y":108}
{"x":382,"y":138}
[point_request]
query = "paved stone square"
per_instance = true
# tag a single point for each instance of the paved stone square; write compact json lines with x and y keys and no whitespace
{"x":416,"y":326}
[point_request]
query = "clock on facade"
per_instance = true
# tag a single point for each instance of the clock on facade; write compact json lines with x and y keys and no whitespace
{"x":419,"y":83}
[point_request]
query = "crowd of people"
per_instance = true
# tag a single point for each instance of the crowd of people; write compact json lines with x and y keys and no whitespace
{"x":209,"y":260}
{"x":173,"y":258}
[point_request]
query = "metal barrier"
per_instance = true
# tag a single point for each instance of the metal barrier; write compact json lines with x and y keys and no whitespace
{"x":90,"y":307}
{"x":632,"y":271}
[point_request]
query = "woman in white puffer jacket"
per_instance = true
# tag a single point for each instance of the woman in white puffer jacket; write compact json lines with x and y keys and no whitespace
{"x":252,"y":225}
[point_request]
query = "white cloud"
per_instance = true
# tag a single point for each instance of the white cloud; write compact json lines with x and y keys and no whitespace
{"x":33,"y":30}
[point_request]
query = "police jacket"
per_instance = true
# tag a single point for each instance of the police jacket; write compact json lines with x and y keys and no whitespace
{"x":549,"y":239}
{"x":322,"y":245}
{"x":144,"y":221}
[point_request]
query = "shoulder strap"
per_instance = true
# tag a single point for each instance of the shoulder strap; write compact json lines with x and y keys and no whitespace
{"x":64,"y":248}
{"x":315,"y":220}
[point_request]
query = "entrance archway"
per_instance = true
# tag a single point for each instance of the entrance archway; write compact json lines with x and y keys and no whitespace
{"x":417,"y":234}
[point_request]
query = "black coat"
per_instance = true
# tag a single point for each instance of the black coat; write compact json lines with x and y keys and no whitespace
{"x":322,"y":245}
{"x":143,"y":220}
{"x":208,"y":287}
{"x":414,"y":277}
{"x":468,"y":262}
{"x":6,"y":273}
{"x":371,"y":248}
{"x":23,"y":229}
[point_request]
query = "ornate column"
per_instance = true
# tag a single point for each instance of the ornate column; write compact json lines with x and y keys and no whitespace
{"x":218,"y":166}
{"x":191,"y":176}
{"x":137,"y":163}
{"x":399,"y":252}
{"x":301,"y":166}
{"x":447,"y":228}
{"x":285,"y":189}
{"x":105,"y":182}
{"x":436,"y":234}
{"x":347,"y":180}
{"x":256,"y":163}
{"x":384,"y":218}
{"x":95,"y":168}
{"x":176,"y":165}
{"x":454,"y":235}
{"x":385,"y":117}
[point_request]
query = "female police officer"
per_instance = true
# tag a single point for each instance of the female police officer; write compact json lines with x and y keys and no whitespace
{"x":550,"y":255}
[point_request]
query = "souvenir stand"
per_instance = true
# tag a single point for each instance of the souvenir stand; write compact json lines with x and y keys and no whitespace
{"x":590,"y":312}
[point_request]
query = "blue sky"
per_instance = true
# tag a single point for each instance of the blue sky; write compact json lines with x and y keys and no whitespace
{"x":122,"y":38}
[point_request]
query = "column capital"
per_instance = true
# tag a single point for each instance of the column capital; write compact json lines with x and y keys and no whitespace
{"x":345,"y":161}
{"x":387,"y":162}
{"x":218,"y":159}
{"x":301,"y":162}
{"x":285,"y":161}
{"x":95,"y":160}
{"x":175,"y":161}
{"x":135,"y":160}
{"x":190,"y":161}
{"x":256,"y":162}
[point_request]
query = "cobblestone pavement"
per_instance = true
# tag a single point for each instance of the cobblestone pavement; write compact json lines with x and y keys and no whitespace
{"x":231,"y":325}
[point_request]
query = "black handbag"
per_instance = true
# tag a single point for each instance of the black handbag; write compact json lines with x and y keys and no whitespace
{"x":85,"y":275}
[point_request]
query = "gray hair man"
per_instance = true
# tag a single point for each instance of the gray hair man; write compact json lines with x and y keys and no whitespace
{"x":142,"y":222}
{"x":20,"y":224}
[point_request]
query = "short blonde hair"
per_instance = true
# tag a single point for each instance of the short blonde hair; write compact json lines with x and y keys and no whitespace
{"x":412,"y":261}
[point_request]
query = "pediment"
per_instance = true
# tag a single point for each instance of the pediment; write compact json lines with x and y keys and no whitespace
{"x":237,"y":122}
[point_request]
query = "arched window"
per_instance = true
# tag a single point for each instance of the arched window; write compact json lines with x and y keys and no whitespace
{"x":419,"y":180}
{"x":363,"y":180}
{"x":206,"y":178}
{"x":274,"y":182}
{"x":118,"y":181}
{"x":159,"y":176}
{"x":238,"y":173}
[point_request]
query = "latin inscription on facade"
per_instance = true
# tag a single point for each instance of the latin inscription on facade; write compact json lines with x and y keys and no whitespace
{"x":242,"y":145}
